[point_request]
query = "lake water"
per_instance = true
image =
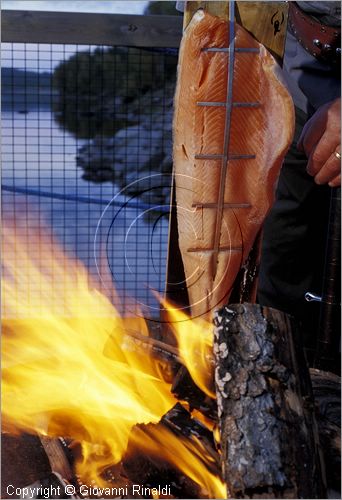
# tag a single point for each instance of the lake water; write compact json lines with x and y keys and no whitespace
{"x":40,"y":178}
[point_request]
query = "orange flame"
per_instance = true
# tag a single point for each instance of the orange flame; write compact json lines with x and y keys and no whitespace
{"x":57,"y":365}
{"x":195,"y":341}
{"x":190,"y":456}
{"x":69,"y":369}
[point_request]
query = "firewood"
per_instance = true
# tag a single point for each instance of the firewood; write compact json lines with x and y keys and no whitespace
{"x":59,"y":457}
{"x":326,"y":388}
{"x":141,"y":466}
{"x":23,"y":461}
{"x":269,"y":434}
{"x":141,"y":463}
{"x":184,"y":388}
{"x":246,"y":282}
{"x":180,"y":421}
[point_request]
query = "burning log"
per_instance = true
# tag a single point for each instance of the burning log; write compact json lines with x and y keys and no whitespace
{"x":157,"y":473}
{"x":246,"y":282}
{"x":179,"y":420}
{"x":145,"y":459}
{"x":268,"y":431}
{"x":159,"y":350}
{"x":60,"y":457}
{"x":184,"y":388}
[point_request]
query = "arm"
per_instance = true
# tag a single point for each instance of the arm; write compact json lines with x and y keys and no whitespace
{"x":320,"y":140}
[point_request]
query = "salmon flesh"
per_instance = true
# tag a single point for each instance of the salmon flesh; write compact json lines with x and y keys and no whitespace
{"x":222,"y":200}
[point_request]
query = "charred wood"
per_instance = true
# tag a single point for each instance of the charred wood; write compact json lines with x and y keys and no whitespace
{"x":179,"y":421}
{"x":269,"y":434}
{"x":139,"y":462}
{"x":327,"y":392}
{"x":60,"y":456}
{"x":144,"y":461}
{"x":23,"y":461}
{"x":246,"y":282}
{"x":184,"y":388}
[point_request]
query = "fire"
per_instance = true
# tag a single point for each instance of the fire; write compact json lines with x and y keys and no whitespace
{"x":73,"y":362}
{"x":71,"y":370}
{"x":195,"y":342}
{"x":188,"y":455}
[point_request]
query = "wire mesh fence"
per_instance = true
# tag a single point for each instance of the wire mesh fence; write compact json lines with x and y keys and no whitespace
{"x":86,"y":148}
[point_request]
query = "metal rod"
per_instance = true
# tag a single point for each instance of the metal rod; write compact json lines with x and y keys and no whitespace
{"x":252,"y":50}
{"x":225,"y":205}
{"x":208,"y":157}
{"x":246,"y":104}
{"x":213,"y":104}
{"x":226,"y":139}
{"x":223,"y":104}
{"x":224,"y":157}
{"x":213,"y":250}
{"x":241,"y":157}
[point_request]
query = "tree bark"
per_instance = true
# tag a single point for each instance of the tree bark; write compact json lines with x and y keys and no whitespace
{"x":268,"y":431}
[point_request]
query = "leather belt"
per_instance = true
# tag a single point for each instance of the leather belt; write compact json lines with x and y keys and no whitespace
{"x":321,"y":41}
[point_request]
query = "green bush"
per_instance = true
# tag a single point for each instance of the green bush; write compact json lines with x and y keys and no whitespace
{"x":96,"y":87}
{"x":162,"y":8}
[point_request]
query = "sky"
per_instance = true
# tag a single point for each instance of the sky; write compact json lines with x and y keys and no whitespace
{"x":106,"y":6}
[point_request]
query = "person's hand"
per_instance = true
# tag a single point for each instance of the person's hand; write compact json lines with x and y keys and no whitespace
{"x":320,"y":140}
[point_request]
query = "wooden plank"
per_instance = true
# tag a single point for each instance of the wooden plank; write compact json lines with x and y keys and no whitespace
{"x":90,"y":29}
{"x":219,"y":9}
{"x":176,"y":290}
{"x":266,"y":21}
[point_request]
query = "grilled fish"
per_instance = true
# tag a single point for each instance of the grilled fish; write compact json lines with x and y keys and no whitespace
{"x":225,"y":173}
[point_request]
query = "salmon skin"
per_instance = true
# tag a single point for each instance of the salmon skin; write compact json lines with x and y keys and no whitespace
{"x":222,"y":204}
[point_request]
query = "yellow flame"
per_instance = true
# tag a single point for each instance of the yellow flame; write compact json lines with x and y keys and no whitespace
{"x":79,"y":369}
{"x":158,"y":441}
{"x":195,"y":341}
{"x":69,"y":367}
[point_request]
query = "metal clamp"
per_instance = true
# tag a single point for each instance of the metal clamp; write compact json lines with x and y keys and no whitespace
{"x":312,"y":297}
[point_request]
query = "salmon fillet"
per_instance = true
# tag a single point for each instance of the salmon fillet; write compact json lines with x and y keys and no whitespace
{"x":221,"y":204}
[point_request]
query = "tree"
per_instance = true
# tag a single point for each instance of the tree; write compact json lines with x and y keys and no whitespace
{"x":95,"y":87}
{"x":162,"y":8}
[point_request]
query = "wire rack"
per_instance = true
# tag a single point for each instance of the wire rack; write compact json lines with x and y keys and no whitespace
{"x":86,"y":155}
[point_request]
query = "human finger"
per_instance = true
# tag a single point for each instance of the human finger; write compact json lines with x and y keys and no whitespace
{"x":309,"y":137}
{"x":321,"y":153}
{"x":326,"y":119}
{"x":330,"y":170}
{"x":335,"y":182}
